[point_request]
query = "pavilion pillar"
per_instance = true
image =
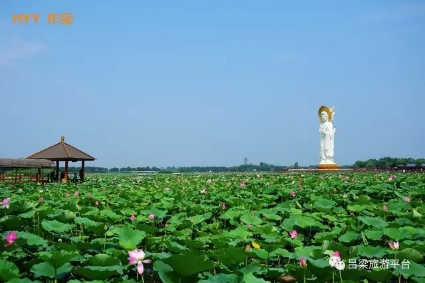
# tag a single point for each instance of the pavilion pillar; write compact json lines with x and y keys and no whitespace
{"x":82,"y":171}
{"x":38,"y":178}
{"x":66,"y":172}
{"x":57,"y":171}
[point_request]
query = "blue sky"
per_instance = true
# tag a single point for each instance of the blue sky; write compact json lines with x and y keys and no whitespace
{"x":180,"y":83}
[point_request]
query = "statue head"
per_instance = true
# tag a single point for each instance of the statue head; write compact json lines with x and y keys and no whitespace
{"x":325,"y":114}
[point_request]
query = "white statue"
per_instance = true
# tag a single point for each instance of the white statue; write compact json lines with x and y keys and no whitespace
{"x":327,"y":135}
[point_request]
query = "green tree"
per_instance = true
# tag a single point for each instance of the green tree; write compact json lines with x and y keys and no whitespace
{"x":370,"y":165}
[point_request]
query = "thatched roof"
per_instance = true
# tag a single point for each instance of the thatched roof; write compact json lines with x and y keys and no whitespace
{"x":25,"y":163}
{"x":62,"y":151}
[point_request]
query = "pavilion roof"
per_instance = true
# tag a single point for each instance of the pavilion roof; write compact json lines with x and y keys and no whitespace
{"x":62,"y":151}
{"x":25,"y":163}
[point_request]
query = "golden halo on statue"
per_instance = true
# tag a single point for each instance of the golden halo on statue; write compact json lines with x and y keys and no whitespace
{"x":327,"y":110}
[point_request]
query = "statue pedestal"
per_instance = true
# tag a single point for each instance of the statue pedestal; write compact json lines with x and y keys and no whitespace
{"x":327,"y":167}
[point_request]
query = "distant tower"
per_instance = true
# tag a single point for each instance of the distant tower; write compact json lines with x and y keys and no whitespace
{"x":245,"y":161}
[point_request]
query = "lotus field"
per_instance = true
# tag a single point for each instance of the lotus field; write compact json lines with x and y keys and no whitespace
{"x":216,"y":228}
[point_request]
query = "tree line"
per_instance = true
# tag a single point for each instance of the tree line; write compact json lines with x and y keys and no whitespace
{"x":388,"y":163}
{"x":382,"y":163}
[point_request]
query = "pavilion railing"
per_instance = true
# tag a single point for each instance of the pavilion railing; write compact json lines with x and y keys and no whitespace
{"x":21,"y":178}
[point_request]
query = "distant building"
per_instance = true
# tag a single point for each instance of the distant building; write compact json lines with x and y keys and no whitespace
{"x":411,"y":167}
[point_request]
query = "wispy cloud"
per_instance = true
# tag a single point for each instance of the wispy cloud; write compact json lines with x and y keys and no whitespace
{"x":14,"y":47}
{"x":401,"y":12}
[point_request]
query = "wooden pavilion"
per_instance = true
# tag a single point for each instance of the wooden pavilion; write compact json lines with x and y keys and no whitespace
{"x":16,"y":164}
{"x":63,"y":151}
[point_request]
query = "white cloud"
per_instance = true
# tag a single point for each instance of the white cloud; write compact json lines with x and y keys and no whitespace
{"x":14,"y":47}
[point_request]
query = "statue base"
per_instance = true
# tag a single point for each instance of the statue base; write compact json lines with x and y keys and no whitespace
{"x":327,"y":167}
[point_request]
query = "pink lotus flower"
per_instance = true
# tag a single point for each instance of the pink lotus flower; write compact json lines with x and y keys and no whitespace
{"x":138,"y":257}
{"x":247,"y":248}
{"x":204,"y":191}
{"x":384,"y":207}
{"x":67,"y":195}
{"x":105,"y":227}
{"x":151,"y":216}
{"x":293,"y":193}
{"x":249,"y":226}
{"x":335,"y":190}
{"x":242,"y":185}
{"x":132,"y":218}
{"x":406,"y":199}
{"x":394,"y":245}
{"x":209,"y":181}
{"x":303,"y":262}
{"x":41,"y":199}
{"x":223,"y":206}
{"x":336,"y":254}
{"x":167,"y":189}
{"x":5,"y":203}
{"x":293,"y":234}
{"x":76,"y":194}
{"x":96,"y":203}
{"x":392,"y":178}
{"x":10,"y":238}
